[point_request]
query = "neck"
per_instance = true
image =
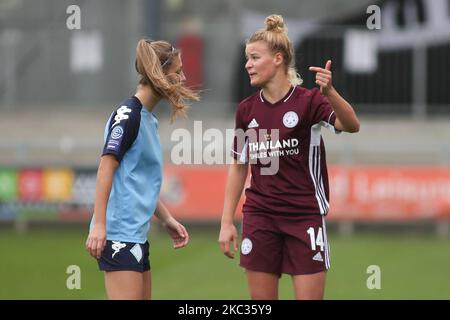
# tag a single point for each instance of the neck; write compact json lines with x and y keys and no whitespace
{"x":276,"y":89}
{"x":147,"y":96}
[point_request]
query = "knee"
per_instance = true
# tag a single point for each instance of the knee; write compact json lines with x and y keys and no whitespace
{"x":264,"y":295}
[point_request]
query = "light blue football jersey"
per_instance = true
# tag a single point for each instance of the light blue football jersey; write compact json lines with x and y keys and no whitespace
{"x":131,"y":135}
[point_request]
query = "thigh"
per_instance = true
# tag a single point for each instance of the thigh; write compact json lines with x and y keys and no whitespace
{"x":124,"y":285}
{"x":147,"y":285}
{"x":261,"y":246}
{"x":309,"y":286}
{"x":306,"y":249}
{"x":147,"y":289}
{"x":262,"y":286}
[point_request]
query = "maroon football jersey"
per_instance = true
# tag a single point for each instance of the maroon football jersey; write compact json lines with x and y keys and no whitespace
{"x":283,"y":144}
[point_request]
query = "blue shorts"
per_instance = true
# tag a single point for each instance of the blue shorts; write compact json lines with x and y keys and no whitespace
{"x":125,"y":256}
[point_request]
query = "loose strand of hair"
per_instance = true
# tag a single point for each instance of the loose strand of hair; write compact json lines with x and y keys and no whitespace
{"x":153,"y":73}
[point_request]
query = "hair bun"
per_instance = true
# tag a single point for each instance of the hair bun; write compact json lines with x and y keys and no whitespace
{"x":275,"y":23}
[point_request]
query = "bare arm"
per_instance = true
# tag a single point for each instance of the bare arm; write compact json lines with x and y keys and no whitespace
{"x":97,"y":236}
{"x":346,"y":119}
{"x":161,"y":212}
{"x":237,"y":174}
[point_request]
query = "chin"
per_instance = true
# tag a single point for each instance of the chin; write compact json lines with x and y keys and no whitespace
{"x":254,"y":83}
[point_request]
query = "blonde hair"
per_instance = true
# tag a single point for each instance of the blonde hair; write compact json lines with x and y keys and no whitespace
{"x":275,"y":35}
{"x":152,"y":59}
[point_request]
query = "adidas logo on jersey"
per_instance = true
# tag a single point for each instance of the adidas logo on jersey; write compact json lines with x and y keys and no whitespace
{"x":253,"y":124}
{"x":318,"y":257}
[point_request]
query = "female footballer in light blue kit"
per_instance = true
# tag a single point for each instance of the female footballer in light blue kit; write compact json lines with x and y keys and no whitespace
{"x":130,"y":174}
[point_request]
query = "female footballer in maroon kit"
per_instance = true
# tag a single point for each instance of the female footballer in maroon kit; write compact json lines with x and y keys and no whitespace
{"x":283,"y":226}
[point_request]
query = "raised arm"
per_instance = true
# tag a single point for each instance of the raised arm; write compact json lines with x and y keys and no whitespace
{"x":346,"y":119}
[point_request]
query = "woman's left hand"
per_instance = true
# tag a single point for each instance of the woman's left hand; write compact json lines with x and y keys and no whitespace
{"x":323,"y":77}
{"x":177,"y":232}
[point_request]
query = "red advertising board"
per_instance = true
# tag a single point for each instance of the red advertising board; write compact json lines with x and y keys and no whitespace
{"x":30,"y":185}
{"x":356,"y":192}
{"x":389,"y":192}
{"x":364,"y":193}
{"x":191,"y":46}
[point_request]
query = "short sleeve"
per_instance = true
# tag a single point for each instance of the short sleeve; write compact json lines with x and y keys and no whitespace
{"x":240,"y":142}
{"x":121,"y":131}
{"x":322,"y":112}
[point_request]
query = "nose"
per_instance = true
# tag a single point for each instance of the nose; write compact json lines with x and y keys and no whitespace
{"x":248,"y":65}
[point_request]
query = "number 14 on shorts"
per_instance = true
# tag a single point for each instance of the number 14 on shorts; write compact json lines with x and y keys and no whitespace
{"x":316,"y":241}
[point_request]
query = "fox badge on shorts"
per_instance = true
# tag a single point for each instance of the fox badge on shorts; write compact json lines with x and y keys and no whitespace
{"x":246,"y":246}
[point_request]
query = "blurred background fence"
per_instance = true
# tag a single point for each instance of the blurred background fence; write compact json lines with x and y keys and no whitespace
{"x":58,"y":87}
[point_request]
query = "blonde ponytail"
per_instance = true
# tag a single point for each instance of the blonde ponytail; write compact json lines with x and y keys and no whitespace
{"x":294,"y":78}
{"x":152,"y":57}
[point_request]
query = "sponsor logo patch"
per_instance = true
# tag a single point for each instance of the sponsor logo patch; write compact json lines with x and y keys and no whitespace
{"x":318,"y":257}
{"x":253,"y":124}
{"x":117,"y":246}
{"x":117,"y":132}
{"x":112,"y":144}
{"x":121,"y":114}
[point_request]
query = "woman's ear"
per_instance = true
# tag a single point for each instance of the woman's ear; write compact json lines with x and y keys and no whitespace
{"x":278,"y":59}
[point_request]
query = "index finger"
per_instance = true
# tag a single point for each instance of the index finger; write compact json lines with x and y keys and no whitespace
{"x":92,"y":248}
{"x":229,"y":254}
{"x":181,"y":242}
{"x":183,"y":232}
{"x":184,"y":236}
{"x":225,"y":247}
{"x":99,"y":249}
{"x":318,"y":69}
{"x":87,"y":244}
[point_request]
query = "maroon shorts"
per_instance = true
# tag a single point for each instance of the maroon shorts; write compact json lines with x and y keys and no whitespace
{"x":284,"y":244}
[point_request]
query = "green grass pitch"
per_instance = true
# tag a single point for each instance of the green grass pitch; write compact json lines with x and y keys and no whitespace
{"x":33,"y":266}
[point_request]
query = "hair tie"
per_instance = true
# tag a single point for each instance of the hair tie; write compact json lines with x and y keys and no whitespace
{"x":173,"y":49}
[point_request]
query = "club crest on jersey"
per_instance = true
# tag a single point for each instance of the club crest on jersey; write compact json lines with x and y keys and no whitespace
{"x":290,"y":119}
